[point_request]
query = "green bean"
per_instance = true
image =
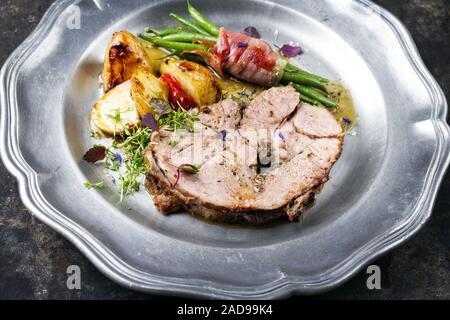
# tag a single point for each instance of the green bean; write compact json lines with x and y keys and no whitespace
{"x":189,"y":24}
{"x":311,"y":93}
{"x":189,"y":37}
{"x":178,"y":46}
{"x":163,"y":32}
{"x":202,"y":21}
{"x":312,"y":75}
{"x":293,"y":68}
{"x":309,"y":100}
{"x":300,"y":78}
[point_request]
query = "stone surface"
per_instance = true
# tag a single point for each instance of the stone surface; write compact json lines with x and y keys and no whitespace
{"x":34,"y":257}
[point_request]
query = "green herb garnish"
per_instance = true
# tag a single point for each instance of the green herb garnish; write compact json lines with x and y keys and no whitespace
{"x":131,"y":144}
{"x":173,"y":143}
{"x":190,"y":168}
{"x":180,"y":119}
{"x":96,"y":134}
{"x":111,"y":162}
{"x":90,"y":185}
{"x":116,"y":117}
{"x":134,"y":165}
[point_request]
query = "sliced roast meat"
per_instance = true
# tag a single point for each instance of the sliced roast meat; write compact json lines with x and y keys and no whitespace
{"x":305,"y":142}
{"x":306,"y":171}
{"x":224,"y":175}
{"x":301,"y":130}
{"x":316,"y":122}
{"x":264,"y":115}
{"x":223,"y":115}
{"x":269,"y":109}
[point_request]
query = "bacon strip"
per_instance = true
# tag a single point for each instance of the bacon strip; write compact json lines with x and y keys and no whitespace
{"x":248,"y":59}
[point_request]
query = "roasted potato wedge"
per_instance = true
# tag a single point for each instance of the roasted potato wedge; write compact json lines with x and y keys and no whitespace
{"x":196,"y":80}
{"x":156,"y":57}
{"x":124,"y":55}
{"x":144,"y":87}
{"x":115,"y":111}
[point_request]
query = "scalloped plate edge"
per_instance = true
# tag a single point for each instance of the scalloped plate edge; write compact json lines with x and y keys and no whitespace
{"x":119,"y":271}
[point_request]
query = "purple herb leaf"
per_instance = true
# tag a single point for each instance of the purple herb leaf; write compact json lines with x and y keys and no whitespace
{"x":290,"y":51}
{"x":148,"y":121}
{"x":242,"y":44}
{"x":96,"y":153}
{"x":252,"y":32}
{"x":160,"y":106}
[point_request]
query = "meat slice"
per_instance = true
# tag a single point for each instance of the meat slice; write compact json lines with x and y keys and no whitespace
{"x":306,"y":171}
{"x":302,"y":130}
{"x":264,"y":115}
{"x":270,"y":108}
{"x":225,"y":171}
{"x":223,"y":115}
{"x":316,"y":122}
{"x":230,"y":186}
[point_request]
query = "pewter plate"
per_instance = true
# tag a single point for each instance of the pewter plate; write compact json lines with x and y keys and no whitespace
{"x":381,"y":191}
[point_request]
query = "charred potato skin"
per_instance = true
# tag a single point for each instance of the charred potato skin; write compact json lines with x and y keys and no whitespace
{"x":126,"y":54}
{"x":144,"y":87}
{"x":195,"y":80}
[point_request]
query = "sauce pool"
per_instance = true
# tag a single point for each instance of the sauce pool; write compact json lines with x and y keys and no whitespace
{"x":345,"y":112}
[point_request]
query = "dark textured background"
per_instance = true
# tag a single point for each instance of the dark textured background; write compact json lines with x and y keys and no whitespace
{"x":34,"y":258}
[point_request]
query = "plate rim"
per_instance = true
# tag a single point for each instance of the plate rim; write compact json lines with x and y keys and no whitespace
{"x":118,"y":270}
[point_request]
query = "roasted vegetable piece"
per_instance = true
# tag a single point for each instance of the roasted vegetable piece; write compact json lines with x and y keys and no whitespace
{"x":156,"y":57}
{"x":115,"y":111}
{"x":196,"y":80}
{"x":178,"y":98}
{"x":124,"y":55}
{"x":145,"y":87}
